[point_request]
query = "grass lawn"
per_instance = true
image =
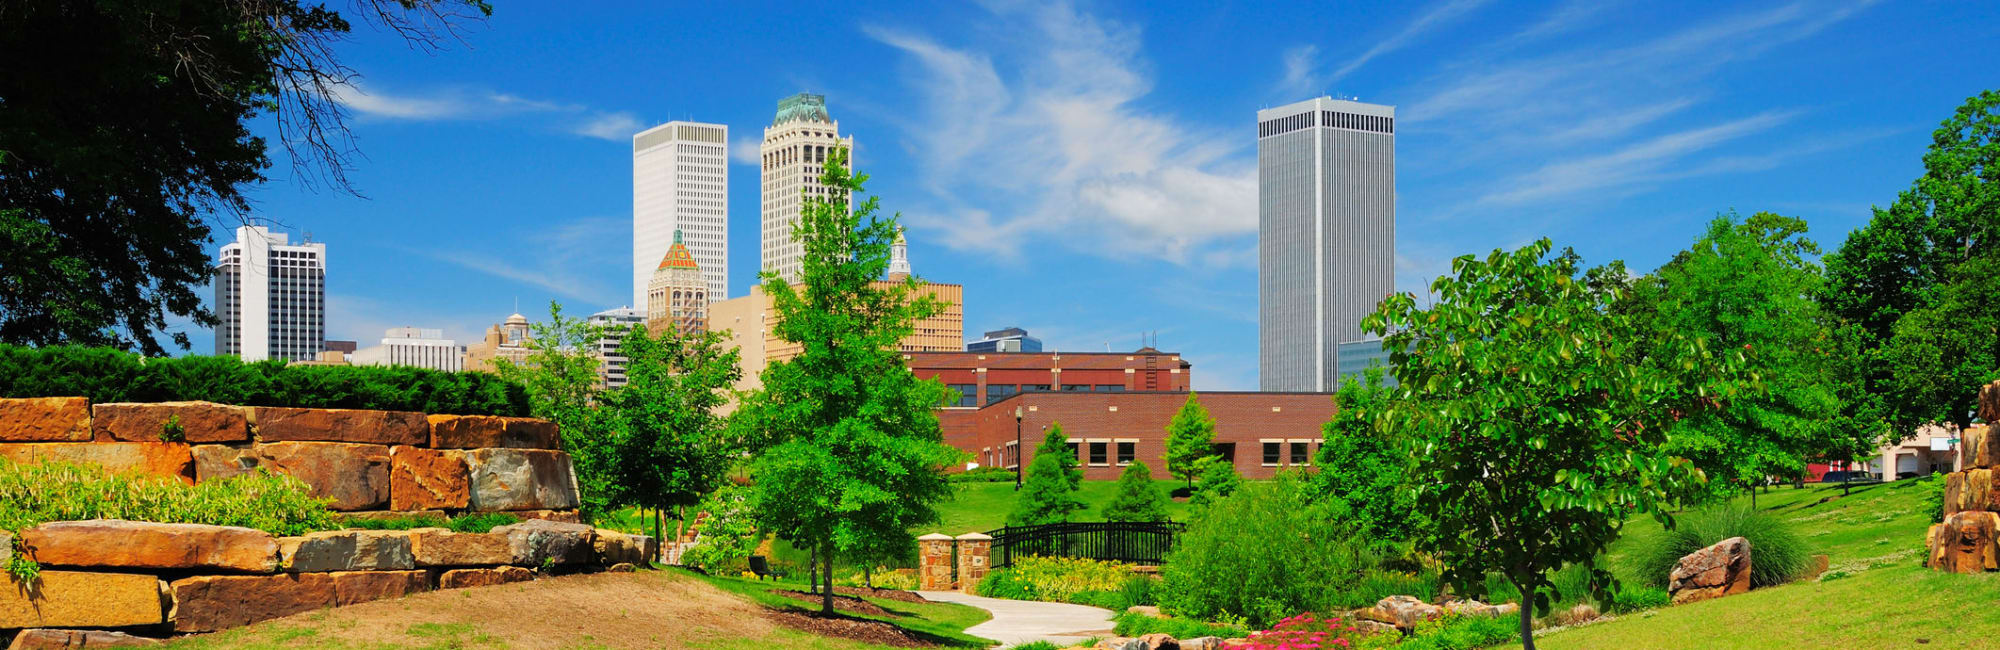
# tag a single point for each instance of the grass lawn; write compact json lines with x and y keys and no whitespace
{"x":1876,"y":593}
{"x":944,"y":622}
{"x":980,"y":507}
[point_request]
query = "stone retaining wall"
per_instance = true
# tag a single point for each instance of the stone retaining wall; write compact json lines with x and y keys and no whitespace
{"x":156,"y":579}
{"x":362,"y":460}
{"x":1965,"y":541}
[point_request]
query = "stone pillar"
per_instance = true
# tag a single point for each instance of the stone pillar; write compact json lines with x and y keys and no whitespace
{"x":934,"y":562}
{"x":975,"y":556}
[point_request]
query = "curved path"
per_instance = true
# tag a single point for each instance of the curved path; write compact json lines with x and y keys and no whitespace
{"x":1023,"y":621}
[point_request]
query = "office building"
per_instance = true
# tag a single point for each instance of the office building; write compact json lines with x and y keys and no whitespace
{"x":270,"y":297}
{"x":793,"y":153}
{"x":616,"y":322}
{"x":1326,"y":223}
{"x":506,"y":340}
{"x":1260,"y":434}
{"x":680,"y":184}
{"x":677,"y":296}
{"x":1356,"y":357}
{"x":1012,"y":339}
{"x":984,"y":378}
{"x":412,"y":346}
{"x":750,"y":323}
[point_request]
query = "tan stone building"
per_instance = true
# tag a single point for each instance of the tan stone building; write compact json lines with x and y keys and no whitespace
{"x":677,"y":295}
{"x":507,"y":340}
{"x":751,"y":323}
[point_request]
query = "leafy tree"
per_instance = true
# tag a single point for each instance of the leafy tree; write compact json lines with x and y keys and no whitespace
{"x":1137,"y":498}
{"x":1363,"y":472}
{"x":1047,"y":496}
{"x":123,"y":134}
{"x":668,"y":443}
{"x":1190,"y":438}
{"x":1056,"y":443}
{"x":848,"y":451}
{"x":728,"y":536}
{"x":1218,"y":480}
{"x":560,"y":375}
{"x":1534,"y":431}
{"x":1942,"y":352}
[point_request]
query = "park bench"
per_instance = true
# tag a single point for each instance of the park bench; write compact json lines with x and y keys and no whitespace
{"x":761,"y":566}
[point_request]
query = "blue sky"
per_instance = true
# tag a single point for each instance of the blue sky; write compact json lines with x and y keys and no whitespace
{"x":1087,"y":171}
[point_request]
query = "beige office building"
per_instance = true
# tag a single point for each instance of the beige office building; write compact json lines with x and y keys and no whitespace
{"x":794,"y":153}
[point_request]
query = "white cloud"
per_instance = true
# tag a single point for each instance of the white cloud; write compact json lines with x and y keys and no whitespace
{"x":616,"y":127}
{"x":466,"y":104}
{"x":1438,"y":15}
{"x":378,"y":104}
{"x":567,"y":259}
{"x":746,"y":150}
{"x":1633,"y":164}
{"x":1063,"y":151}
{"x":1300,"y":80}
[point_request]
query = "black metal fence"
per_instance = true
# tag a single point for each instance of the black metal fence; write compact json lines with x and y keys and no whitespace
{"x":1121,"y":541}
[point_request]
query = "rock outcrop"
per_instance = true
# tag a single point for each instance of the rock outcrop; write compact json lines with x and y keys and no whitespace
{"x":1720,"y":570}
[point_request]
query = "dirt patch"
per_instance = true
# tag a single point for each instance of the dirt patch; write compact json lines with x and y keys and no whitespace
{"x":885,"y":594}
{"x":863,"y":630}
{"x":847,"y":603}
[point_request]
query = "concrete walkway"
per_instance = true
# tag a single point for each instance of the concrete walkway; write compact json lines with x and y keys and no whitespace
{"x":1023,"y":621}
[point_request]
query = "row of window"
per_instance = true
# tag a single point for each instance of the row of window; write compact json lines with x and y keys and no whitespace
{"x":1333,"y":119}
{"x":968,"y":394}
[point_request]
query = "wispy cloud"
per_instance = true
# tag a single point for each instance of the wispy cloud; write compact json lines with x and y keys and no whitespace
{"x":1437,"y":15}
{"x":375,"y":104}
{"x":566,"y":259}
{"x":1300,"y":80}
{"x":469,"y":104}
{"x":617,"y":126}
{"x":1630,"y":165}
{"x":746,"y":150}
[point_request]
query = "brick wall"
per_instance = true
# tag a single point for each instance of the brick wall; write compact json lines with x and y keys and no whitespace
{"x":1247,"y":420}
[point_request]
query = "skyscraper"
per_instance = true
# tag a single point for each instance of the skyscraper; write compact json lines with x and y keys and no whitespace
{"x":270,"y":297}
{"x":680,"y":181}
{"x":616,"y":322}
{"x":1326,"y":224}
{"x":676,"y":296}
{"x":795,"y":147}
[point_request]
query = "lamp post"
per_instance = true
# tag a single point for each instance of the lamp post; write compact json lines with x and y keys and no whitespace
{"x":1017,"y":448}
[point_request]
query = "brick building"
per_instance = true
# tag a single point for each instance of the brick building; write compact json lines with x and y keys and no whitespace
{"x":1259,"y":432}
{"x":985,"y":377}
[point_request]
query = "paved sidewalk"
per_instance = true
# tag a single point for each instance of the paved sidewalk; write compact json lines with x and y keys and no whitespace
{"x":1022,"y":621}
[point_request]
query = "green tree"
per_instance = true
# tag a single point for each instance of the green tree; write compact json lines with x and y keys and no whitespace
{"x":669,"y":445}
{"x":560,"y":374}
{"x":1137,"y":498}
{"x":1942,"y":352}
{"x":1363,"y":472}
{"x":1218,"y":480}
{"x":1190,"y":438}
{"x":1056,"y":443}
{"x":123,"y":136}
{"x":1534,"y":431}
{"x":848,"y":450}
{"x":1047,"y":496}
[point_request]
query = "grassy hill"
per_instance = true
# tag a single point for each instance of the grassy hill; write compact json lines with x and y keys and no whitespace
{"x":1876,"y":594}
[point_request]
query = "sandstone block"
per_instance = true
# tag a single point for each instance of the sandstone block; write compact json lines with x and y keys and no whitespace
{"x":274,"y":424}
{"x":1970,"y":489}
{"x":347,"y":550}
{"x":1406,"y":611}
{"x":1978,"y":448}
{"x":614,"y":547}
{"x":521,"y":479}
{"x":1964,"y":543}
{"x":539,"y":541}
{"x":1160,"y":641}
{"x":147,"y":545}
{"x":151,"y":458}
{"x":44,"y":639}
{"x":354,"y":476}
{"x":84,"y":599}
{"x":148,"y":422}
{"x":428,"y":478}
{"x":1720,"y":570}
{"x":210,"y":603}
{"x":1989,"y":402}
{"x":460,"y":578}
{"x":45,"y":419}
{"x":350,"y":587}
{"x":393,"y":514}
{"x":488,"y":431}
{"x":564,"y":516}
{"x":439,"y":547}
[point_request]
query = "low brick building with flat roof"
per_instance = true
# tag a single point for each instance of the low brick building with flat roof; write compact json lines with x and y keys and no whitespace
{"x":983,"y":378}
{"x":1260,"y":433}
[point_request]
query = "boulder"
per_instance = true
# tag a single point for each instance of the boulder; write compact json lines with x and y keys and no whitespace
{"x":1970,"y":489}
{"x":460,"y":578}
{"x":1819,"y":563}
{"x":150,"y":422}
{"x":45,"y":419}
{"x":437,"y":547}
{"x":350,"y":587}
{"x":1977,"y":446}
{"x":1160,"y":641}
{"x":521,"y":479}
{"x":347,"y":550}
{"x":1120,"y":643}
{"x":540,"y":542}
{"x":1720,"y":570}
{"x":1365,"y":626}
{"x":276,"y":424}
{"x":564,"y":516}
{"x":1476,"y":608}
{"x":84,"y":599}
{"x":614,"y":547}
{"x":151,"y":458}
{"x":1989,"y":402}
{"x":487,"y":431}
{"x":354,"y":476}
{"x":428,"y":478}
{"x":67,"y":639}
{"x":210,"y":603}
{"x":393,"y":514}
{"x":1964,"y":543}
{"x":148,"y":545}
{"x":1405,"y":611}
{"x":6,"y":547}
{"x":1202,"y":643}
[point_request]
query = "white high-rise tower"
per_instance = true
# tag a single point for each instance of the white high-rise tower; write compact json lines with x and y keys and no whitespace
{"x":680,"y":181}
{"x":1326,"y":234}
{"x":270,"y":297}
{"x":795,"y":147}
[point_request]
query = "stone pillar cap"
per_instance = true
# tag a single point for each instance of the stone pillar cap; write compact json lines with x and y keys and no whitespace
{"x":934,"y":537}
{"x":975,"y":537}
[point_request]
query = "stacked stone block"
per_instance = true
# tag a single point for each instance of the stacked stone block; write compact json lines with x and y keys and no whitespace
{"x":1965,"y":541}
{"x":975,"y":557}
{"x":934,"y":559}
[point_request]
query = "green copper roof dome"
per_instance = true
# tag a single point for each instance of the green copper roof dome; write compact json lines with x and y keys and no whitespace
{"x":803,"y":106}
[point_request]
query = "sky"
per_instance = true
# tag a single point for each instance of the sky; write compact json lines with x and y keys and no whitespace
{"x":1088,"y":171}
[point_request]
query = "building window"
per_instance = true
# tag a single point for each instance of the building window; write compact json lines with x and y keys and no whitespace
{"x":1127,"y":451}
{"x":997,"y":392}
{"x":1034,"y":388}
{"x":1074,"y":448}
{"x":1226,"y":451}
{"x":1271,"y":456}
{"x":1110,"y":388}
{"x":968,"y":395}
{"x":1076,"y":387}
{"x":1100,"y":453}
{"x":1300,"y":454}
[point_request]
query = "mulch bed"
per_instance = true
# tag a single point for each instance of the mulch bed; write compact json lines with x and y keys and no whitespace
{"x":885,"y":594}
{"x":843,"y":627}
{"x":848,"y":603}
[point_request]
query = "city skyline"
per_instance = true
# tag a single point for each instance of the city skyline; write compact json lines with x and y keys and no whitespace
{"x":1087,"y":175}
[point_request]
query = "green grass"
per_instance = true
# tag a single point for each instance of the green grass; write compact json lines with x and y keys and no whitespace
{"x":944,"y":622}
{"x":1876,"y":595}
{"x":980,"y":507}
{"x":315,"y":633}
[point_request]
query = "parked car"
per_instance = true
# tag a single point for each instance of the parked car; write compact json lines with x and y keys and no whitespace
{"x":1856,"y":476}
{"x":1904,"y":475}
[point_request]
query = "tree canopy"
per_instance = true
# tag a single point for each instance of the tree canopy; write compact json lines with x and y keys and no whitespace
{"x":1137,"y":498}
{"x":1190,"y":438}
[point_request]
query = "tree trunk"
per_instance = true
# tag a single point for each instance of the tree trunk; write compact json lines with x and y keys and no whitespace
{"x":1527,"y":617}
{"x":868,"y":577}
{"x":826,"y":598}
{"x":812,"y":570}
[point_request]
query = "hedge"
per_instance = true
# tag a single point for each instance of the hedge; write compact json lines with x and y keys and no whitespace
{"x":109,"y":375}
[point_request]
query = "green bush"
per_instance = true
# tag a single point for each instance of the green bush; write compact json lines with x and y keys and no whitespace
{"x":1264,"y":554}
{"x":1138,"y":590}
{"x":106,"y":375}
{"x":1137,"y":498}
{"x":1135,"y":624}
{"x":471,"y":522}
{"x":480,"y":522}
{"x":1776,"y":554}
{"x":1933,"y":487}
{"x":1634,"y":598}
{"x":983,"y":475}
{"x":1002,"y":583}
{"x":1059,"y":579}
{"x":56,"y":491}
{"x":1037,"y":645}
{"x":1457,"y":633}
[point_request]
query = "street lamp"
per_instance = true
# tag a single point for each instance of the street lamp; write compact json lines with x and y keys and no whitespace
{"x":1017,"y":448}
